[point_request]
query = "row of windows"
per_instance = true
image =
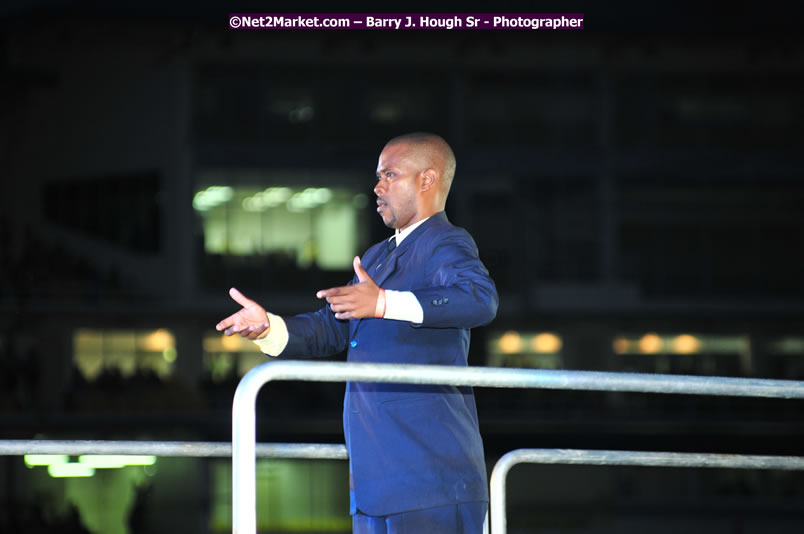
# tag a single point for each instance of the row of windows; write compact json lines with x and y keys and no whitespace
{"x":671,"y":237}
{"x":229,"y":357}
{"x":705,"y":240}
{"x":308,"y":225}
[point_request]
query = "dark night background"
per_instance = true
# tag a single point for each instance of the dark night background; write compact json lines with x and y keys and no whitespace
{"x":626,"y":185}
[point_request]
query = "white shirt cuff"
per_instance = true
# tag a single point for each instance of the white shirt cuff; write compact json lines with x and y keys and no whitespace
{"x":403,"y":306}
{"x":277,"y":339}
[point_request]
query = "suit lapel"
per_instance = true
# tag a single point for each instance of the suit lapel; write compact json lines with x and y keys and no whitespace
{"x":389,"y":264}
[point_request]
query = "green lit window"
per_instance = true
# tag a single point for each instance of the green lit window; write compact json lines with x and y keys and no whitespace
{"x":292,"y":496}
{"x":304,"y":225}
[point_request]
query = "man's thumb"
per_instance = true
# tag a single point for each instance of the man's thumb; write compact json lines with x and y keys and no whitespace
{"x":361,"y":273}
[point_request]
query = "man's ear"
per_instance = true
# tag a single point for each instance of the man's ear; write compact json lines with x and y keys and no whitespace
{"x":429,"y":179}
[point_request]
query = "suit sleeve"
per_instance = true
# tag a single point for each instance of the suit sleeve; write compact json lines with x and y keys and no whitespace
{"x":315,"y":335}
{"x":460,"y":294}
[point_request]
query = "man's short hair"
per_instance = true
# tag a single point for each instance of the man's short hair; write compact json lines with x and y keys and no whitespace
{"x":431,"y":147}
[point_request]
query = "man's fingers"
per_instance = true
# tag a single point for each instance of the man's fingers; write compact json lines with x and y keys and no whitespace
{"x":226,"y":323}
{"x":234,"y":329}
{"x":240,"y":328}
{"x":361,"y":273}
{"x":340,"y":303}
{"x":231,"y":325}
{"x":331,"y":292}
{"x":351,"y":302}
{"x":341,"y":306}
{"x":253,"y":332}
{"x":245,"y":321}
{"x":346,"y":298}
{"x":240,"y":298}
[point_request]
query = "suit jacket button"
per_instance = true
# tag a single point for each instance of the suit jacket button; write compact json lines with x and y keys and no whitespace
{"x":353,"y":344}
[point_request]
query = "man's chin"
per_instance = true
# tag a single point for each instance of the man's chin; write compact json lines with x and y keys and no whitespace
{"x":389,"y":222}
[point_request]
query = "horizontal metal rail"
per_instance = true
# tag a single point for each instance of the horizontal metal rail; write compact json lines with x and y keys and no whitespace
{"x":199,"y":449}
{"x":326,"y":451}
{"x":244,"y":504}
{"x":499,"y":474}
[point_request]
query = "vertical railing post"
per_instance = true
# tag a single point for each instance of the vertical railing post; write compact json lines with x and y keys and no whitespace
{"x":499,"y":476}
{"x":244,"y":456}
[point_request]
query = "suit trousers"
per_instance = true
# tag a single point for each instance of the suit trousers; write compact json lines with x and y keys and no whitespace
{"x":464,"y":518}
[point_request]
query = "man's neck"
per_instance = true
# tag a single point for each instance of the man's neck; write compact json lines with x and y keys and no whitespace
{"x":400,"y":235}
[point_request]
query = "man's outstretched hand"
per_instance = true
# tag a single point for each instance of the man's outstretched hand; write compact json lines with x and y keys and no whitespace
{"x":356,"y":301}
{"x":251,"y":322}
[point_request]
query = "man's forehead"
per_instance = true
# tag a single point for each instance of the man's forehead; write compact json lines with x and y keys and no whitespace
{"x":394,"y":155}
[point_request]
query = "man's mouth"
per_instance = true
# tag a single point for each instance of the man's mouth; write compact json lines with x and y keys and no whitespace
{"x":381,"y":204}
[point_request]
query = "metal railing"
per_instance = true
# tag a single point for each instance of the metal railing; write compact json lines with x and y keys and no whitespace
{"x":499,"y":475}
{"x":196,"y":449}
{"x":323,"y":451}
{"x":244,"y":505}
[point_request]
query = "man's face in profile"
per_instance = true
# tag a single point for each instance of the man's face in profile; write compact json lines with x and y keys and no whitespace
{"x":397,"y":186}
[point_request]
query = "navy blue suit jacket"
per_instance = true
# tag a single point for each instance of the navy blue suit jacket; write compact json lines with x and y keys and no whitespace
{"x":411,"y":446}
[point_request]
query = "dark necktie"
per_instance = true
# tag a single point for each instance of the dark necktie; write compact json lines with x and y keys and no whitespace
{"x":390,"y":245}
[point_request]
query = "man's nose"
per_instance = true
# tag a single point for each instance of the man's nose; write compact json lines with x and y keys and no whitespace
{"x":379,"y":188}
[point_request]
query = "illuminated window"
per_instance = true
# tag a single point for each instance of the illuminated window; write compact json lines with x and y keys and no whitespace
{"x":683,"y":343}
{"x":60,"y":465}
{"x":525,"y":349}
{"x":685,"y":353}
{"x":304,"y":225}
{"x":126,"y":352}
{"x":292,"y":495}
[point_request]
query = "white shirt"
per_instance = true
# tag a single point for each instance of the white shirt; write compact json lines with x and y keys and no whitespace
{"x":399,"y":306}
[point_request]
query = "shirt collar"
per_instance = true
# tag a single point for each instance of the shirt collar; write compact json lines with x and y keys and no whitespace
{"x":400,"y":235}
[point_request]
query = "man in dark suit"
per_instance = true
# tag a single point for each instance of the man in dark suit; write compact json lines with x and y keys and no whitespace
{"x":416,"y":456}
